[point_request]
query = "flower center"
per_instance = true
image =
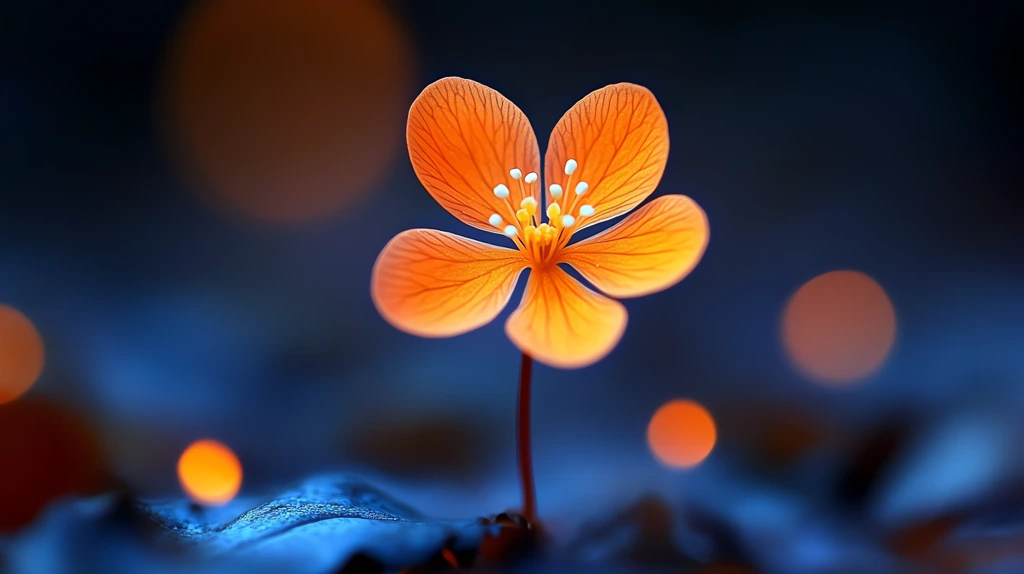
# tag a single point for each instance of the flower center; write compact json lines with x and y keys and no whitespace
{"x":541,"y":240}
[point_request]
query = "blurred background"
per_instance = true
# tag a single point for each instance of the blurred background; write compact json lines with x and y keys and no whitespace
{"x":193,"y":194}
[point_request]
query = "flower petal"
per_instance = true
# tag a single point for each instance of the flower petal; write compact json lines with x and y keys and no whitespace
{"x":463,"y":139}
{"x":436,"y":284}
{"x":563,"y":324}
{"x":651,"y":250}
{"x":618,"y":136}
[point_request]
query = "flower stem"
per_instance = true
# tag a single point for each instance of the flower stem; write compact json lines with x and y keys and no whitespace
{"x":523,"y":445}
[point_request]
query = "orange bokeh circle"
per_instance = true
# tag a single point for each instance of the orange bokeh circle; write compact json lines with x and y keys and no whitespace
{"x":209,"y":472}
{"x":286,"y":111}
{"x":681,"y":434}
{"x":839,"y":327}
{"x":21,"y":354}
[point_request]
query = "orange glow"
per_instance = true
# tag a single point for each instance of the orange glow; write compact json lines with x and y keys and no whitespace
{"x":476,"y":154}
{"x":681,"y":434}
{"x":618,"y":136}
{"x":210,"y":473}
{"x":564,"y":324}
{"x":652,"y":249}
{"x":478,"y":280}
{"x":287,"y":111}
{"x":460,"y":158}
{"x":21,"y":354}
{"x":47,"y":451}
{"x":839,"y":327}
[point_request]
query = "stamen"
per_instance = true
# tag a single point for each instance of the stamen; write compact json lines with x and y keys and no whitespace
{"x":524,"y":217}
{"x":541,"y":241}
{"x":529,"y":204}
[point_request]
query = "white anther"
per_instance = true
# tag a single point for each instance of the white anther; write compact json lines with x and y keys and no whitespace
{"x":582,"y":188}
{"x":495,"y":220}
{"x":556,"y":190}
{"x":516,"y":173}
{"x":568,"y":220}
{"x":501,"y":191}
{"x":586,"y":210}
{"x":510,"y":231}
{"x":531,"y":177}
{"x":570,"y":166}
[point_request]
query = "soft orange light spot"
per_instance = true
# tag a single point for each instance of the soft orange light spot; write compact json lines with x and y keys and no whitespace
{"x":681,"y":434}
{"x":210,"y":473}
{"x":450,"y":557}
{"x":839,"y":327}
{"x":287,"y":111}
{"x":21,"y":354}
{"x":47,"y":451}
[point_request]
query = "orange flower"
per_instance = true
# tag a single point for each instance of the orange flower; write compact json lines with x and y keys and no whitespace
{"x":477,"y":155}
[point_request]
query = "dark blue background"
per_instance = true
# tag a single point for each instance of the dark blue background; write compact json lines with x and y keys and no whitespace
{"x":883,"y":138}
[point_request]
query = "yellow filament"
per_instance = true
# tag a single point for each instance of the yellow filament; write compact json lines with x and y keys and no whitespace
{"x":542,"y":240}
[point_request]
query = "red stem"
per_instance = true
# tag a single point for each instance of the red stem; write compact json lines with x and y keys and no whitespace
{"x":523,"y":444}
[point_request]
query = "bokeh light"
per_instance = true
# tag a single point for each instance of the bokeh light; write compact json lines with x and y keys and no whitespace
{"x":209,"y":472}
{"x":681,"y":434}
{"x":21,"y":354}
{"x":46,"y":451}
{"x":287,"y":111}
{"x":839,"y":327}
